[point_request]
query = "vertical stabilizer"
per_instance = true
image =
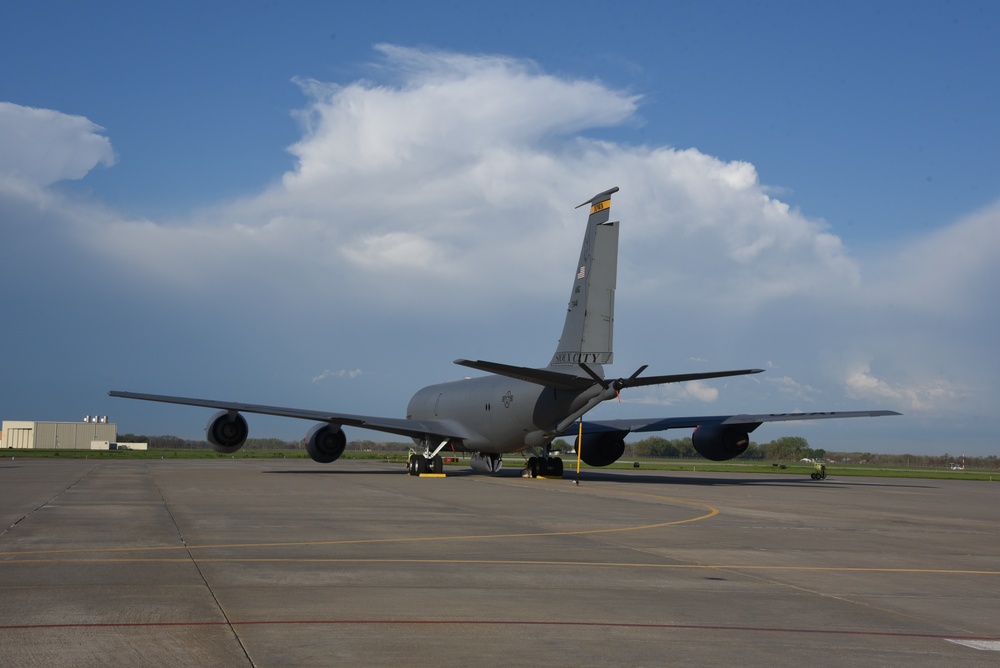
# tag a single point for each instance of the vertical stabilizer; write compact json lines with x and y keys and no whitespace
{"x":588,"y":331}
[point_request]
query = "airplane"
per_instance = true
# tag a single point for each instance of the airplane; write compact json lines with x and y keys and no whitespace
{"x":516,"y":409}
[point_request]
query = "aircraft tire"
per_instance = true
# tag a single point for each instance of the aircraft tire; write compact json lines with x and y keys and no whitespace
{"x":555,"y":467}
{"x":533,"y":467}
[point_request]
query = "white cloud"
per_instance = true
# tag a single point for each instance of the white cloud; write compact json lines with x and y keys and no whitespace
{"x":668,"y":395}
{"x":447,"y":111}
{"x":467,"y":164}
{"x":394,"y":249}
{"x":791,"y":387}
{"x":457,"y":166}
{"x":697,"y":389}
{"x":939,"y":397}
{"x":952,"y":270}
{"x":341,"y":373}
{"x":42,"y":146}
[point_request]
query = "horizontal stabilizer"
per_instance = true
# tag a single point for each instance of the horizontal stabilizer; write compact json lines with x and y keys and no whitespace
{"x":545,"y":377}
{"x":604,"y":196}
{"x":684,"y":377}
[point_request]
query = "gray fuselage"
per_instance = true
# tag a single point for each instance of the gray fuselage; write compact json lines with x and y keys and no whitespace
{"x":500,"y":414}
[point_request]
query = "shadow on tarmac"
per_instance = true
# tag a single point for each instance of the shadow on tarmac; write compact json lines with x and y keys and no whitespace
{"x":634,"y":477}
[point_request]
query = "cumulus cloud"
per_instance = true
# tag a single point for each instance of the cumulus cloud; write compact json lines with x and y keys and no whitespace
{"x":446,"y":112}
{"x":939,"y":397}
{"x":42,"y":146}
{"x":450,"y":167}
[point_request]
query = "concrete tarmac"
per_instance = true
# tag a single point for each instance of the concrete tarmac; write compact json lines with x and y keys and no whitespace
{"x":290,"y":563}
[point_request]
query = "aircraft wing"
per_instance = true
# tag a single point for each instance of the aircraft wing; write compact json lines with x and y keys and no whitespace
{"x":402,"y":427}
{"x":750,"y":421}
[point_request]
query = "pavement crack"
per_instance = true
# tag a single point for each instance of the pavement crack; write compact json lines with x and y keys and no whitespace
{"x":201,"y":573}
{"x":56,"y":496}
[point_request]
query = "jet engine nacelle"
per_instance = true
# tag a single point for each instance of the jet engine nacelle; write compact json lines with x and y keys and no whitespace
{"x":602,"y":449}
{"x":227,"y":431}
{"x":325,"y":443}
{"x":718,"y":442}
{"x":486,"y":462}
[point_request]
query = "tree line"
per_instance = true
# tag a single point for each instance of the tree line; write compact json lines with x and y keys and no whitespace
{"x":796,"y":448}
{"x":177,"y":443}
{"x":784,"y":449}
{"x":271,"y":444}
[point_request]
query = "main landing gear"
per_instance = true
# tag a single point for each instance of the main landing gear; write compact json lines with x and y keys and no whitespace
{"x":419,"y":464}
{"x":543,"y":467}
{"x":429,"y":462}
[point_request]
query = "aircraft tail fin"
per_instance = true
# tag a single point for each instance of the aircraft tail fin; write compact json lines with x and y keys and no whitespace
{"x":589,"y":327}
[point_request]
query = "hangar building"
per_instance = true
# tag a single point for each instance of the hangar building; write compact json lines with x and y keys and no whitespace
{"x":57,"y":435}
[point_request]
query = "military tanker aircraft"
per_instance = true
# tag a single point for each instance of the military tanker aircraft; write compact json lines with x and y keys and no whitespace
{"x":518,"y":409}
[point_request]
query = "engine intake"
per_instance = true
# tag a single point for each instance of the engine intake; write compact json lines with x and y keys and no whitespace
{"x":602,"y":449}
{"x":325,"y":443}
{"x":719,"y":443}
{"x":227,"y":431}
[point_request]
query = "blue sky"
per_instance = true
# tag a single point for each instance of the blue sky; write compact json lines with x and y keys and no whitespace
{"x":322,"y":205}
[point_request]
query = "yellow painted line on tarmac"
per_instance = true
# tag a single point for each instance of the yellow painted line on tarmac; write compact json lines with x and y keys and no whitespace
{"x":38,"y":556}
{"x":364,"y":541}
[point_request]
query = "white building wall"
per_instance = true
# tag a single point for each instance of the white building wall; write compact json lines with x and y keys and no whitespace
{"x":18,"y":434}
{"x":56,"y":435}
